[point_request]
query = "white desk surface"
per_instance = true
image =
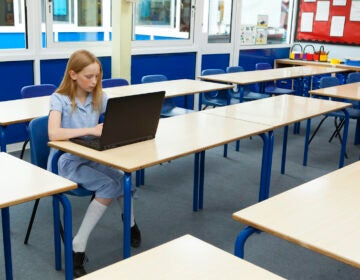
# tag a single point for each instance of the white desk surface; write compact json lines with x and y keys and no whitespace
{"x":321,"y":215}
{"x":176,"y":137}
{"x":295,"y":62}
{"x":23,"y":110}
{"x":249,"y":77}
{"x":22,"y":181}
{"x":172,"y":88}
{"x":280,"y":110}
{"x":348,"y":91}
{"x":183,"y":258}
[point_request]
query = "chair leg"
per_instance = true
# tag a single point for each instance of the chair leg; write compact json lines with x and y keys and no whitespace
{"x":317,"y":128}
{"x":23,"y":148}
{"x":31,"y":221}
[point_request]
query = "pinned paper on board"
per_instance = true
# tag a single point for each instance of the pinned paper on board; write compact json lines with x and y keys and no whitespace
{"x":339,"y":2}
{"x":337,"y":26}
{"x":261,"y":36}
{"x":263,"y":21}
{"x":355,"y":10}
{"x":307,"y":22}
{"x":322,"y":10}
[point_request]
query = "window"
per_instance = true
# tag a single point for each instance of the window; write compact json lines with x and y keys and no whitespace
{"x":264,"y":22}
{"x":162,"y":20}
{"x":77,"y":21}
{"x":217,"y":19}
{"x":12,"y":27}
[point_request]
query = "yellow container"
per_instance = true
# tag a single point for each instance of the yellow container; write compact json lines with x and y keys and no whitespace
{"x":335,"y":61}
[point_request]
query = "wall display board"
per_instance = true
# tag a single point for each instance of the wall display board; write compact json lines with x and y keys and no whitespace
{"x":329,"y":21}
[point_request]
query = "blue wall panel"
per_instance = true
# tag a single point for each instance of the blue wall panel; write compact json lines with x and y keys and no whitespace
{"x":248,"y":58}
{"x":174,"y":66}
{"x":52,"y":71}
{"x":13,"y":76}
{"x":220,"y":61}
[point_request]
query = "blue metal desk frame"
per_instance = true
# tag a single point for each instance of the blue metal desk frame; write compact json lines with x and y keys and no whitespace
{"x":57,"y":199}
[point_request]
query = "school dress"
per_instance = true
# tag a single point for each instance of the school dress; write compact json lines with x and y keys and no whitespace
{"x":105,"y":181}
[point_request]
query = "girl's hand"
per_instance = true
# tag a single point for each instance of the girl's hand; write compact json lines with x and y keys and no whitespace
{"x":97,"y":130}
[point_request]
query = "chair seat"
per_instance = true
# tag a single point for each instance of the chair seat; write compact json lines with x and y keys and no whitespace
{"x":214,"y":102}
{"x":249,"y":96}
{"x":174,"y":111}
{"x":277,"y":91}
{"x":353,"y":113}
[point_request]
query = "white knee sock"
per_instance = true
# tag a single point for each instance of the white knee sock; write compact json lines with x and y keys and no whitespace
{"x":92,"y":216}
{"x":121,"y":203}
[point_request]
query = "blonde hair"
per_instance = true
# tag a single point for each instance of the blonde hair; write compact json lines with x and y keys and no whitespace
{"x":77,"y":62}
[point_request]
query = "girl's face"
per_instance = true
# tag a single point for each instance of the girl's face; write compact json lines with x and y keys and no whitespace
{"x":87,"y":78}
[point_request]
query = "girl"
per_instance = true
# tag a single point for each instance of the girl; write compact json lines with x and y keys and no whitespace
{"x":74,"y":111}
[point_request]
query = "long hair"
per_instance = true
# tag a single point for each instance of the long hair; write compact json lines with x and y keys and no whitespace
{"x":77,"y":62}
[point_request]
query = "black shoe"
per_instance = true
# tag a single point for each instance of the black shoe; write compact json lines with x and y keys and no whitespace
{"x":78,"y":264}
{"x":135,"y":238}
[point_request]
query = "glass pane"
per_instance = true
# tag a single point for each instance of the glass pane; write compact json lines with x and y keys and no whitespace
{"x":12,"y":27}
{"x":80,"y":21}
{"x":162,"y":20}
{"x":267,"y":19}
{"x":219,"y":21}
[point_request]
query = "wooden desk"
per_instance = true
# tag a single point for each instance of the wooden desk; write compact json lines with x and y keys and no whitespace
{"x":250,"y":77}
{"x":172,"y":88}
{"x":194,"y":133}
{"x":183,"y":258}
{"x":21,"y":111}
{"x":321,"y":215}
{"x":281,"y":111}
{"x":296,"y":62}
{"x":24,"y":110}
{"x":32,"y":183}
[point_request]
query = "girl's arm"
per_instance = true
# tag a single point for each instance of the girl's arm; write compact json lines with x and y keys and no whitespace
{"x":56,"y":132}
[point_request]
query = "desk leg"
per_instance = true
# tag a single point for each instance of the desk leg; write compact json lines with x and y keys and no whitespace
{"x":241,"y":239}
{"x":306,"y":146}
{"x":127,"y":209}
{"x":2,"y":139}
{"x":5,"y":214}
{"x":201,"y":179}
{"x":284,"y":149}
{"x":67,"y":217}
{"x":345,"y":136}
{"x":266,"y":164}
{"x":198,"y":192}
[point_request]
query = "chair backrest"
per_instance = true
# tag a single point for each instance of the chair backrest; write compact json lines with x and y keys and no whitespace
{"x":353,"y":77}
{"x":37,"y":90}
{"x":39,"y":149}
{"x":233,"y":69}
{"x":328,"y":81}
{"x":262,"y":66}
{"x":153,"y":78}
{"x":114,"y":82}
{"x":212,"y":71}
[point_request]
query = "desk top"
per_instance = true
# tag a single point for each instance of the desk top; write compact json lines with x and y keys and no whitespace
{"x":249,"y":77}
{"x":287,"y":61}
{"x":183,"y":258}
{"x":172,"y":88}
{"x":22,"y":181}
{"x":348,"y":91}
{"x":322,"y":215}
{"x":176,"y":137}
{"x":23,"y":110}
{"x":280,"y":110}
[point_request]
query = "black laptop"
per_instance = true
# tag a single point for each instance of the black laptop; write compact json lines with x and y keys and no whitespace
{"x":127,"y":120}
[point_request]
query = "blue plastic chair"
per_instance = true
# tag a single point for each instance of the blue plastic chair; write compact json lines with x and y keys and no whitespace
{"x":354,"y":113}
{"x":39,"y":152}
{"x":169,"y":109}
{"x":114,"y":82}
{"x":35,"y":91}
{"x":247,"y":94}
{"x":214,"y":98}
{"x":270,"y":87}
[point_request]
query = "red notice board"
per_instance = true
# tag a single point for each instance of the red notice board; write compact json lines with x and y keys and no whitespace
{"x":322,"y":25}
